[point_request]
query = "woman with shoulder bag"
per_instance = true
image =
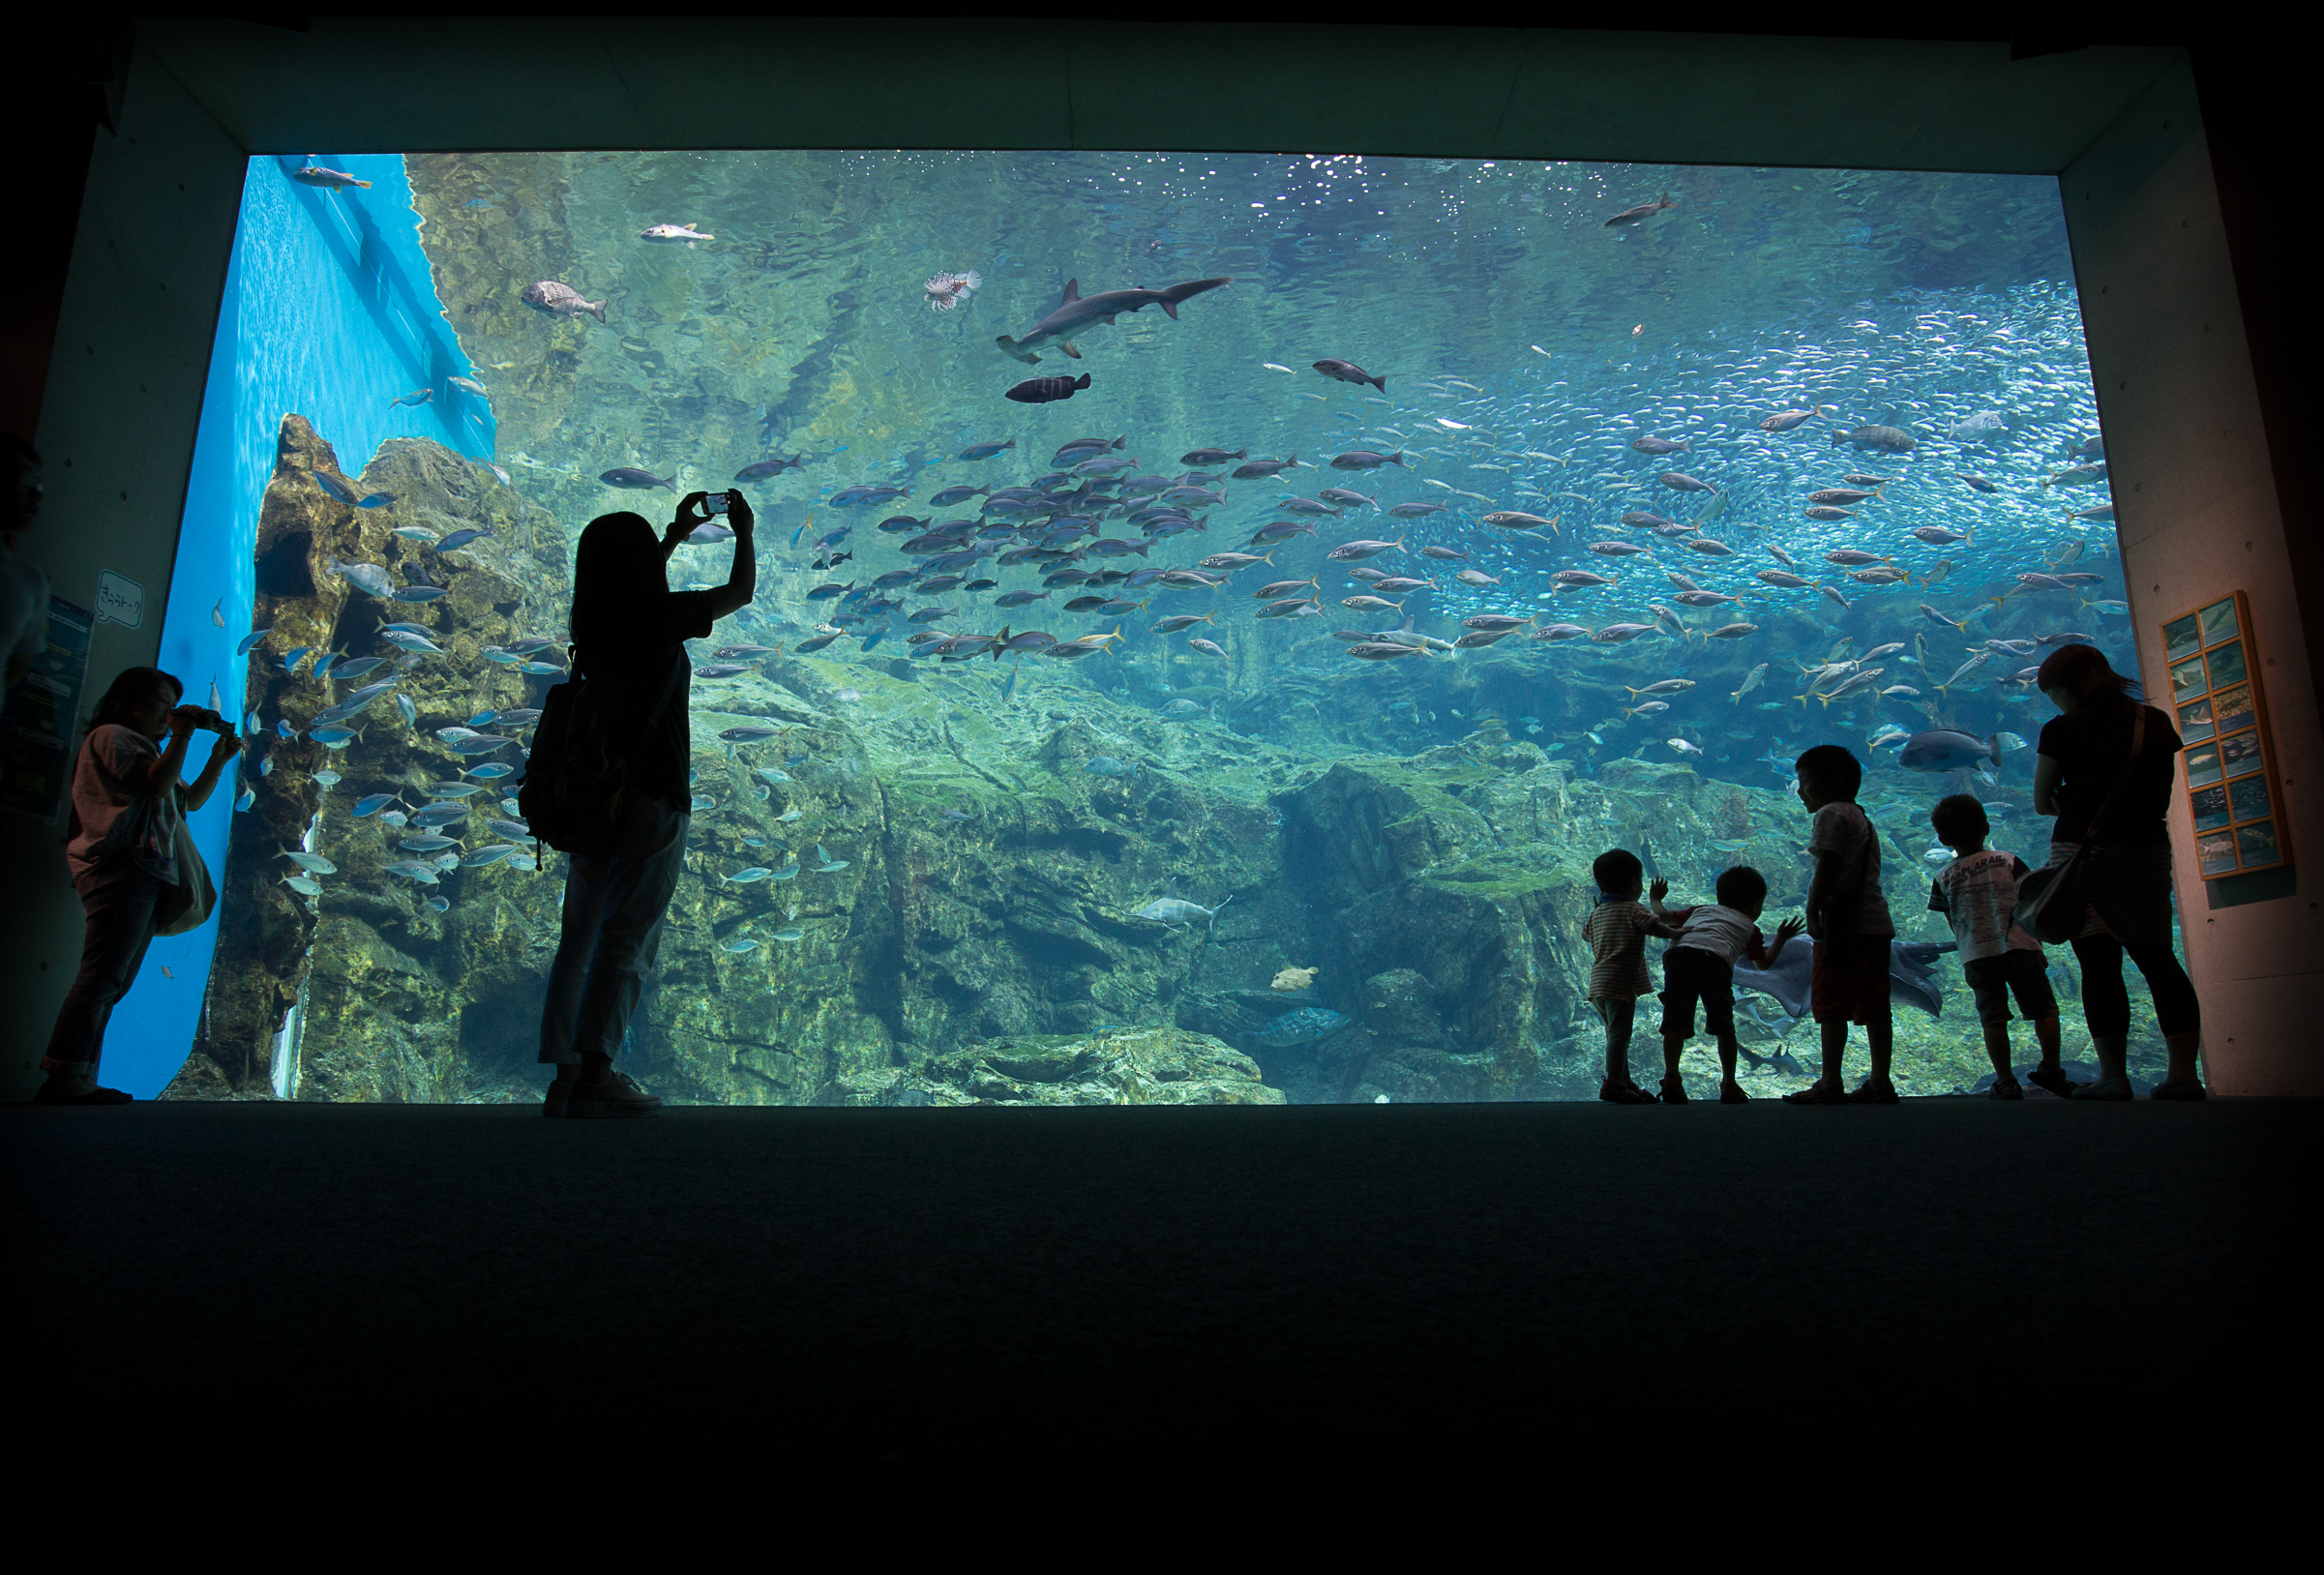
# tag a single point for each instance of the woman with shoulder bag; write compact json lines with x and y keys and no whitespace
{"x":629,"y":634}
{"x":134,"y":866}
{"x":2109,"y":802}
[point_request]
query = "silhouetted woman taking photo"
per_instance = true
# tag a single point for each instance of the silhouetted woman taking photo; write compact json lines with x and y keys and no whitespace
{"x":129,"y":800}
{"x":2084,"y":755}
{"x":628,"y":633}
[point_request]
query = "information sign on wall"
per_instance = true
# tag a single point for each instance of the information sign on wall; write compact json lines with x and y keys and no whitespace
{"x":43,"y":714}
{"x":120,"y":600}
{"x":2232,"y":792}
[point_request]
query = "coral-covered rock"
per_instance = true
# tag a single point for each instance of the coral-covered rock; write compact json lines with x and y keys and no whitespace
{"x":1122,"y":1066}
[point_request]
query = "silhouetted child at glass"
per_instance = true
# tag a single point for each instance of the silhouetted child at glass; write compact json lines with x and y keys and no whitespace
{"x":1617,"y":929}
{"x":1700,"y":966}
{"x":1848,"y":918}
{"x":1977,"y":892}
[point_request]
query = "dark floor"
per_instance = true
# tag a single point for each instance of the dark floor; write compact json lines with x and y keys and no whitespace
{"x":914,"y":1282}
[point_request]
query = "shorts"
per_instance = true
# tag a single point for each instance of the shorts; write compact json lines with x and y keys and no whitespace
{"x":2019,"y":972}
{"x":1604,"y":1006}
{"x":1690,"y":974}
{"x":1850,"y":981}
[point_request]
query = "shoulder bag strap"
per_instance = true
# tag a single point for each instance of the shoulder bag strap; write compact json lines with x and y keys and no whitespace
{"x":2138,"y":740}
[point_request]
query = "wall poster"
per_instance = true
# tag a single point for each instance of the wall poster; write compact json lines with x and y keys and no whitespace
{"x":2232,"y":792}
{"x":38,"y":729}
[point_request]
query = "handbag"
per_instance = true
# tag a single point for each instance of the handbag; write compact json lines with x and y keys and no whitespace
{"x":186,"y":905}
{"x":2051,"y":906}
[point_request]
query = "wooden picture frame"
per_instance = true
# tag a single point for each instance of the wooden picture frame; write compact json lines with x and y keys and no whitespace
{"x":2216,"y":696}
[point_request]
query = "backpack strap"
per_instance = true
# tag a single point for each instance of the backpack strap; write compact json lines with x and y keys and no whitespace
{"x":670,"y":688}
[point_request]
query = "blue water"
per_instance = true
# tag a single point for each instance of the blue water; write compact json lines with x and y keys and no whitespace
{"x":1533,"y":358}
{"x":329,"y":312}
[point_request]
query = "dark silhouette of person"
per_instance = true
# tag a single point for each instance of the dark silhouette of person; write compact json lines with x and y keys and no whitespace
{"x":2083,"y":753}
{"x":23,"y":585}
{"x":128,"y":797}
{"x":628,"y":631}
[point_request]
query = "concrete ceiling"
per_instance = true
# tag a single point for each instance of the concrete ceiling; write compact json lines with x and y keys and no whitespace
{"x":354,"y":86}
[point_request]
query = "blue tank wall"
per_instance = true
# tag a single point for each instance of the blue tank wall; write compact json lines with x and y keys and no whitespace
{"x":330,"y":313}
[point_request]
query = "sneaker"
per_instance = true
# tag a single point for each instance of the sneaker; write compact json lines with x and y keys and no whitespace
{"x":53,"y":1092}
{"x":559,"y":1099}
{"x":618,"y":1095}
{"x":2180,"y":1088}
{"x":1730,"y":1092}
{"x":2008,"y":1089}
{"x":1874,"y":1091}
{"x":1674,"y":1089}
{"x":1818,"y":1093}
{"x":2109,"y":1088}
{"x":2053,"y":1080}
{"x":1624,"y":1093}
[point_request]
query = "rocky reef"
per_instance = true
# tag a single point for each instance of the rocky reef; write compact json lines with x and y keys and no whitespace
{"x":967,"y":862}
{"x":1126,"y":1066}
{"x":343,"y":970}
{"x":1257,"y":875}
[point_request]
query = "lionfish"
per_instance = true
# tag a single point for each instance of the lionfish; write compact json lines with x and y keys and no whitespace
{"x":948,"y":291}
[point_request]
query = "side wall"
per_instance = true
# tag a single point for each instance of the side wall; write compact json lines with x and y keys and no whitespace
{"x":117,"y":429}
{"x":2199,"y":516}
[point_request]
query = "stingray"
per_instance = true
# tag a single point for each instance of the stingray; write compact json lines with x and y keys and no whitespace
{"x":1910,"y":982}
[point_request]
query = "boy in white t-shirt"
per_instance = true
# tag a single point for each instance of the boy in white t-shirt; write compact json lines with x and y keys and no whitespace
{"x":1700,"y":966}
{"x":1977,"y":891}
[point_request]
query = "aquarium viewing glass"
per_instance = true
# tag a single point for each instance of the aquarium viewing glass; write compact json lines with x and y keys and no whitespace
{"x":1429,"y":526}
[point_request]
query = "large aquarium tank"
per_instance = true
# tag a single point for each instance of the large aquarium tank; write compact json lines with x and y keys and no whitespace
{"x":1212,"y":611}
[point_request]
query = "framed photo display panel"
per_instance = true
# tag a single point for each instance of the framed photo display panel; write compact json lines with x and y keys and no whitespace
{"x":2232,"y":793}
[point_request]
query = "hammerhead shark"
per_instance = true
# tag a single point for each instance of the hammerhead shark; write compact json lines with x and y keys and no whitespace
{"x":1078,"y":311}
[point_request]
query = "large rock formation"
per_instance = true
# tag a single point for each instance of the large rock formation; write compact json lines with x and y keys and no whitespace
{"x":350,"y":954}
{"x":923,"y":862}
{"x":1117,"y":1066}
{"x":927,"y":885}
{"x":1451,"y":890}
{"x":952,"y":871}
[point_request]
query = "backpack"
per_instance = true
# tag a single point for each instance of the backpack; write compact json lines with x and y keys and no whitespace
{"x":575,"y":793}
